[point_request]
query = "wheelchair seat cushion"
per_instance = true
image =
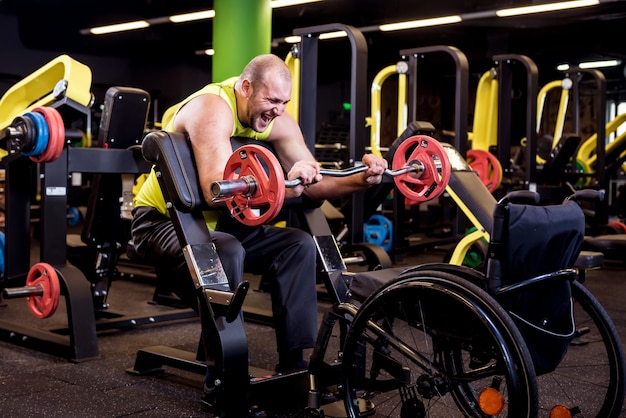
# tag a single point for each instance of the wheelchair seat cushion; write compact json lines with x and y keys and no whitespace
{"x":365,"y":283}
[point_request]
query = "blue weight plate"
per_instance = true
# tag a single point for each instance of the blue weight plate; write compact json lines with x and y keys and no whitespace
{"x":42,"y":133}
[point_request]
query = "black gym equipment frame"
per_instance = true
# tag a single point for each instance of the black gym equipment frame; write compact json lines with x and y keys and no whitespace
{"x":417,"y":57}
{"x":221,"y":309}
{"x":78,"y":342}
{"x":358,"y":101}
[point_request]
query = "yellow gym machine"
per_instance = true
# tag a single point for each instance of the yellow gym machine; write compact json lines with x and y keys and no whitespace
{"x":374,"y":121}
{"x":484,"y":135}
{"x":63,"y":78}
{"x":39,"y":159}
{"x":565,"y":86}
{"x":587,"y":156}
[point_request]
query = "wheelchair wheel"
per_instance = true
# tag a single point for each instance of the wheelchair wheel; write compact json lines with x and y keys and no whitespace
{"x":590,"y":378}
{"x":431,"y":344}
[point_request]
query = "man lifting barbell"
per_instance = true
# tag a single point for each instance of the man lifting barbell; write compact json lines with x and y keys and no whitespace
{"x":254,"y":188}
{"x":251,"y":106}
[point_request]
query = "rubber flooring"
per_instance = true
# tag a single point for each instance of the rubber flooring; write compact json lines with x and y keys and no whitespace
{"x":36,"y":382}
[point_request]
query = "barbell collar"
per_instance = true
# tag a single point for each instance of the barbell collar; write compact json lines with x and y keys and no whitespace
{"x":225,"y":189}
{"x":23,"y":292}
{"x":415,"y":166}
{"x":13,"y":132}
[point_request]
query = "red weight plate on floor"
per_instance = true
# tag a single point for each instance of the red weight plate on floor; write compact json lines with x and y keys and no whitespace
{"x":44,"y":275}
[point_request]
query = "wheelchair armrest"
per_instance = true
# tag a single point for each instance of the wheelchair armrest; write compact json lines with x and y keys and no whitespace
{"x":520,"y":197}
{"x":172,"y":155}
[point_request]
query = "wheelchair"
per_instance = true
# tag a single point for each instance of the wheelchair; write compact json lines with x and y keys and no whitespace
{"x":435,"y":340}
{"x":589,"y":377}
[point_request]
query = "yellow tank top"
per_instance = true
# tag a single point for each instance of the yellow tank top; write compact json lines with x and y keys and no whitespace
{"x":150,"y":193}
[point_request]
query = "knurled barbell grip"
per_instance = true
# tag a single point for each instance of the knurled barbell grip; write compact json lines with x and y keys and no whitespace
{"x":23,"y":292}
{"x":412,"y":167}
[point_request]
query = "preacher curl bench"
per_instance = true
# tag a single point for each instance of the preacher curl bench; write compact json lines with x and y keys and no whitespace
{"x":380,"y":359}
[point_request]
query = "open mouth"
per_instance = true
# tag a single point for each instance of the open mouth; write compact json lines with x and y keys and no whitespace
{"x":266,"y":118}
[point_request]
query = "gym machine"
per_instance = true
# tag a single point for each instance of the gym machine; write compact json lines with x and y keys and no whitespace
{"x":39,"y":157}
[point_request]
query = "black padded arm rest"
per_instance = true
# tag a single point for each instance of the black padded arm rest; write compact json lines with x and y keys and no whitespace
{"x":172,"y":156}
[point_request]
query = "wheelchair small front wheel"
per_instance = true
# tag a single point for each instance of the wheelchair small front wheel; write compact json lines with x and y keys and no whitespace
{"x":431,"y":344}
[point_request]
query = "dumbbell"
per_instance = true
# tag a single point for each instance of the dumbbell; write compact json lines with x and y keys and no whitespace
{"x":254,"y":185}
{"x":42,"y":290}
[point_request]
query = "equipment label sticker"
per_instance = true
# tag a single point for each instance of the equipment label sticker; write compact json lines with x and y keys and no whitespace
{"x":55,"y":191}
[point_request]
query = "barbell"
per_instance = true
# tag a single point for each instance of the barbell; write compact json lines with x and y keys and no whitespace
{"x":253,"y":188}
{"x":42,"y":290}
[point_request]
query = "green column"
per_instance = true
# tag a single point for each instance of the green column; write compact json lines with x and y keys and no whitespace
{"x":242,"y":29}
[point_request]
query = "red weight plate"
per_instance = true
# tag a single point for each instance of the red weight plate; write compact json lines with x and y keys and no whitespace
{"x":618,"y":227}
{"x":56,"y":138}
{"x":427,"y":185}
{"x":44,"y":275}
{"x":487,"y":166}
{"x":267,"y":201}
{"x":60,"y":127}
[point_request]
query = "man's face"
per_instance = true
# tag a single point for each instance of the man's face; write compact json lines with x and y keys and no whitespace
{"x":267,"y":101}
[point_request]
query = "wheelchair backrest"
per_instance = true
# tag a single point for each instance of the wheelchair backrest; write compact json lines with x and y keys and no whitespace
{"x":537,"y":239}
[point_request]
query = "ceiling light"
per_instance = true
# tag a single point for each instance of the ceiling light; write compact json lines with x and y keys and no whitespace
{"x":186,"y":17}
{"x":292,"y":39}
{"x":333,"y":35}
{"x":444,"y":20}
{"x":285,"y":3}
{"x":139,"y":24}
{"x":600,"y":64}
{"x":549,"y":7}
{"x":592,"y":64}
{"x":209,"y":51}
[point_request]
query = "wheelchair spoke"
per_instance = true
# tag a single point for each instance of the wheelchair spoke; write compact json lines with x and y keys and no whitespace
{"x":590,"y":377}
{"x":429,"y":347}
